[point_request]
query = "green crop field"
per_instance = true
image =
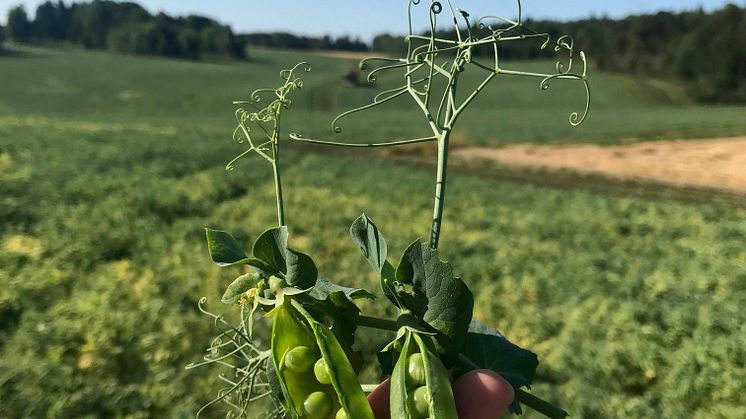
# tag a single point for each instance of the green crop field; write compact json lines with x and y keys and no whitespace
{"x":79,"y":88}
{"x":110,"y":166}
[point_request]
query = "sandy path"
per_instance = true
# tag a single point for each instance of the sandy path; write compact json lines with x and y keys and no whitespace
{"x":715,"y":163}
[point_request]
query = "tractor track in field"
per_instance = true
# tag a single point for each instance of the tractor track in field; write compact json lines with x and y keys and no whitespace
{"x":718,"y":163}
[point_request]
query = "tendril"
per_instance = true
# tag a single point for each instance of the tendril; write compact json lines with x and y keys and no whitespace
{"x":436,"y":7}
{"x":249,"y":381}
{"x":276,"y":100}
{"x":440,"y":103}
{"x":575,"y":118}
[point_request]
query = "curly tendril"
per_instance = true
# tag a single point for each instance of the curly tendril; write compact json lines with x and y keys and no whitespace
{"x":247,"y":381}
{"x":421,"y":70}
{"x":265,"y":119}
{"x":436,"y":7}
{"x":433,"y":65}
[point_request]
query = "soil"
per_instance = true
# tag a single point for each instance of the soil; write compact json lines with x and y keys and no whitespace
{"x":718,"y":163}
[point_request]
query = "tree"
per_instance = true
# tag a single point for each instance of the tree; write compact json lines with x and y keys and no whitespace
{"x":51,"y":22}
{"x":19,"y":28}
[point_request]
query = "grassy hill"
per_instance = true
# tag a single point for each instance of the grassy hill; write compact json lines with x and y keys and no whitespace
{"x":86,"y":87}
{"x":110,"y":166}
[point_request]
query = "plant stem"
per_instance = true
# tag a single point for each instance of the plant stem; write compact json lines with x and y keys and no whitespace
{"x":542,"y":406}
{"x":276,"y":170}
{"x":377,"y":323}
{"x":440,"y":187}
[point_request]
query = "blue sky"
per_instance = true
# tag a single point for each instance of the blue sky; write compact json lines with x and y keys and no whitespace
{"x":365,"y":18}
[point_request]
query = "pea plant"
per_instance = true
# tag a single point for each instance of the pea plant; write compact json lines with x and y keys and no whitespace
{"x":310,"y":368}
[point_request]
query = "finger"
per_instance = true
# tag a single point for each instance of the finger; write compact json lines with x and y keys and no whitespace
{"x":379,"y":400}
{"x":482,"y":394}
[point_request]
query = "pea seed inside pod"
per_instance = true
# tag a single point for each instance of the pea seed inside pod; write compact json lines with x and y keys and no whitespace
{"x":300,"y":359}
{"x":416,"y":370}
{"x":419,"y":402}
{"x":341,"y":414}
{"x":318,"y":405}
{"x":321,"y":371}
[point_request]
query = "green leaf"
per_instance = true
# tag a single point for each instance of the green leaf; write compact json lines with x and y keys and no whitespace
{"x":329,"y":291}
{"x":489,"y":349}
{"x":298,"y":269}
{"x":366,"y":235}
{"x":338,"y":305}
{"x":224,"y":249}
{"x":430,"y":290}
{"x":239,"y":286}
{"x":301,"y":270}
{"x":270,"y":248}
{"x":369,"y":239}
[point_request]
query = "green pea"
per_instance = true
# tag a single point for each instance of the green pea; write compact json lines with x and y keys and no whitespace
{"x":341,"y":414}
{"x":421,"y":398}
{"x":418,"y":402}
{"x":321,"y":371}
{"x":300,"y":359}
{"x":416,"y":370}
{"x":318,"y":405}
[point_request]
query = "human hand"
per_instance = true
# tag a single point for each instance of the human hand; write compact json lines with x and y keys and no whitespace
{"x":479,"y":394}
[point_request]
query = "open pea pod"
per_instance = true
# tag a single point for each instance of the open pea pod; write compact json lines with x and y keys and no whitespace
{"x":315,"y":375}
{"x":420,"y":385}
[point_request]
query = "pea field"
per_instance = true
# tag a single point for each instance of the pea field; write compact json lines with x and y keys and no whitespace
{"x":111,"y":166}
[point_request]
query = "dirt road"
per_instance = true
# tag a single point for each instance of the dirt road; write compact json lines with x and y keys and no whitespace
{"x":714,"y":163}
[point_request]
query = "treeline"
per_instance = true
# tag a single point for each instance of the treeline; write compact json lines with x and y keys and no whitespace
{"x":124,"y":27}
{"x":291,"y":41}
{"x":705,"y":50}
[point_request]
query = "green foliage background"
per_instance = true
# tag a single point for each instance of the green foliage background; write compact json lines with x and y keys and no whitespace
{"x":110,"y":166}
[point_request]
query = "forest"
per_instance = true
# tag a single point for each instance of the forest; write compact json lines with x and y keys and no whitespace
{"x":125,"y":28}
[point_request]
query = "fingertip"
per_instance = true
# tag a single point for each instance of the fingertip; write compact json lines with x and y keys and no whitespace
{"x":482,"y":394}
{"x":379,"y":400}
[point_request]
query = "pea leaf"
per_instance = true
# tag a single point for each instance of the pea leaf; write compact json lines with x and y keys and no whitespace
{"x":301,"y":270}
{"x":339,"y":306}
{"x":489,"y":349}
{"x":366,"y":235}
{"x":329,"y":291}
{"x":225,"y":250}
{"x":429,"y":289}
{"x":271,"y":247}
{"x":373,"y":246}
{"x":239,"y":286}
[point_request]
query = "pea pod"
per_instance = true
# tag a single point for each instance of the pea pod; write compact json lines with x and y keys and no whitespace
{"x":411,"y":399}
{"x":296,"y":333}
